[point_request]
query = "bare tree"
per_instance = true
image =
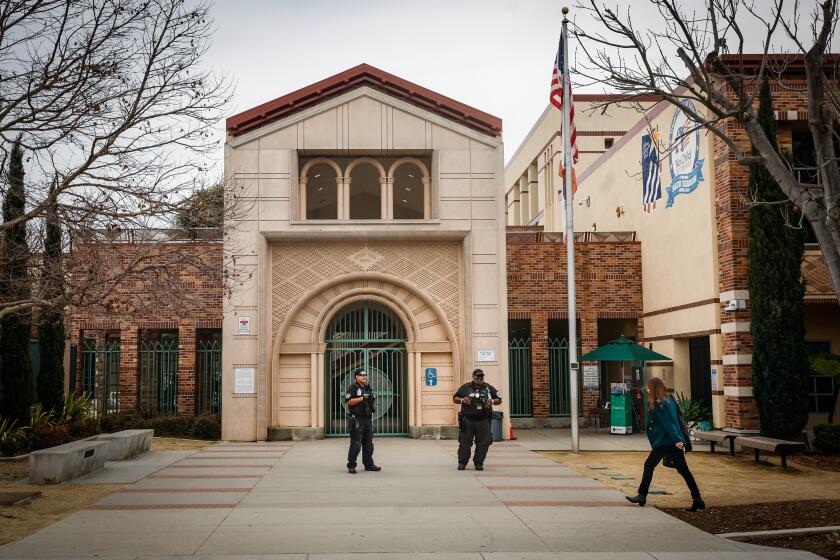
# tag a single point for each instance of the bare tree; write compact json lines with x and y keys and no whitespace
{"x":697,"y":52}
{"x":111,"y":102}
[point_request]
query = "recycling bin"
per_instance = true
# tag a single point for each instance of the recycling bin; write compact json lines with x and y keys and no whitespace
{"x":621,"y":411}
{"x":496,"y":425}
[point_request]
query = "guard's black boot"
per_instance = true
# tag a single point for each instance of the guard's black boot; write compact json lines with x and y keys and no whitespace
{"x":351,"y":470}
{"x":372,"y":468}
{"x":637,"y":499}
{"x":479,"y":466}
{"x":697,"y":504}
{"x":461,"y":467}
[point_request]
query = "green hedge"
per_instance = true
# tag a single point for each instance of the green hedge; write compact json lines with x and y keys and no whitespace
{"x":827,"y":438}
{"x":207,"y":426}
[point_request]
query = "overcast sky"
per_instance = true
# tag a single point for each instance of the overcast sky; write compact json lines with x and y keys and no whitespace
{"x":494,"y":55}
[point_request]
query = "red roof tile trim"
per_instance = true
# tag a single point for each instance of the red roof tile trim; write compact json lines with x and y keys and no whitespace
{"x":363,"y":75}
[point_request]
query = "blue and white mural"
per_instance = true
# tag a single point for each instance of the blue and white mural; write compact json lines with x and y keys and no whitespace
{"x":686,"y":165}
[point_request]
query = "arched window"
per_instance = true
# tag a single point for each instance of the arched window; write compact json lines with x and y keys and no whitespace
{"x":409,"y":198}
{"x":365,"y":192}
{"x":321,"y":192}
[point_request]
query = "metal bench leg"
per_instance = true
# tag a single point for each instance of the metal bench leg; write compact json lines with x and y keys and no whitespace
{"x":732,"y":447}
{"x":712,"y":444}
{"x":756,"y":455}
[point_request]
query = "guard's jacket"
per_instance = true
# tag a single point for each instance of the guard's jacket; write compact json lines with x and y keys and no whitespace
{"x":365,"y":408}
{"x":478,"y":396}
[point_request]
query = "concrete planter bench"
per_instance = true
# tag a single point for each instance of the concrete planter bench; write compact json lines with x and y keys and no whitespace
{"x":126,"y":444}
{"x":66,"y":462}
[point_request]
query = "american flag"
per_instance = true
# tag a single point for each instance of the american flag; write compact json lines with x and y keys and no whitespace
{"x":651,"y":184}
{"x":556,"y":98}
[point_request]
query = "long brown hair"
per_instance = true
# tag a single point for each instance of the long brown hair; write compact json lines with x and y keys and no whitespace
{"x":657,"y":390}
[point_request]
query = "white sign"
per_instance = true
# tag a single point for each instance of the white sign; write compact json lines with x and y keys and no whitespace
{"x":244,"y":325}
{"x":243,"y":380}
{"x":486,"y":355}
{"x":590,"y":376}
{"x":714,"y":379}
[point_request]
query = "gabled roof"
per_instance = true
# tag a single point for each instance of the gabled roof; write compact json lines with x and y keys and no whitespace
{"x":364,"y":75}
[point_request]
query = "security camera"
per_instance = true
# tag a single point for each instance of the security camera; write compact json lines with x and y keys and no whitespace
{"x":731,"y":306}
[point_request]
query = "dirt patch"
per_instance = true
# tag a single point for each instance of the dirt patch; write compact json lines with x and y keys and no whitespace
{"x":722,"y":480}
{"x":764,"y":516}
{"x":822,"y":462}
{"x":57,"y":501}
{"x":179,"y":444}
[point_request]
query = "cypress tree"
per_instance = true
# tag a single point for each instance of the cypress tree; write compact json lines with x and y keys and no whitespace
{"x":780,"y":366}
{"x":15,"y":328}
{"x":51,"y":320}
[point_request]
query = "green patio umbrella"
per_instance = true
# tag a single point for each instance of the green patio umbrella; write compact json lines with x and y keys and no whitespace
{"x":623,"y":350}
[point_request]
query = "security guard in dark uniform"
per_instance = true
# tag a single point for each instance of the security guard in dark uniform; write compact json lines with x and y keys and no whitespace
{"x":476,"y":399}
{"x":361,"y":403}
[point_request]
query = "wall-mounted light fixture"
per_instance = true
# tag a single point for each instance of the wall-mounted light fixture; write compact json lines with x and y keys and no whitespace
{"x":619,"y":211}
{"x":585,"y":202}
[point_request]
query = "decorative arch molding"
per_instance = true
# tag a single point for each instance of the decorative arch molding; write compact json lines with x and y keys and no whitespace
{"x":361,"y":161}
{"x":311,"y":163}
{"x":402,"y":161}
{"x":382,"y":297}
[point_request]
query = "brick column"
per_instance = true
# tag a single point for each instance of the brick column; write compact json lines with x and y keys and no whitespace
{"x":129,"y":336}
{"x":588,"y":342}
{"x":539,"y":364}
{"x":186,"y":368}
{"x":732,"y":222}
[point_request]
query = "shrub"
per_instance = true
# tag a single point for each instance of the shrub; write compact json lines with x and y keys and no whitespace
{"x":12,"y":437}
{"x":207,"y":427}
{"x":76,"y":408}
{"x":119,"y":421}
{"x":48,"y":436}
{"x":693,"y":411}
{"x":827,"y":438}
{"x":38,"y":417}
{"x":84,"y":428}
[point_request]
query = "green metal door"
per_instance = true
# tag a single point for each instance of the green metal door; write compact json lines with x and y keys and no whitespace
{"x":519,"y":360}
{"x":558,"y":378}
{"x":367,"y":335}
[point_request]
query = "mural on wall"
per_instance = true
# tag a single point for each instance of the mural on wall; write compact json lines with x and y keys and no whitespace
{"x":651,"y":183}
{"x":686,"y":165}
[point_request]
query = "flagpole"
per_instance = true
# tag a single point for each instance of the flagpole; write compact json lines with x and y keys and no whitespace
{"x":570,"y":237}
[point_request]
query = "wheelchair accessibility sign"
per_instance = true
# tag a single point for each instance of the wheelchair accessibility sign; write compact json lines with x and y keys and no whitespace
{"x":431,"y":377}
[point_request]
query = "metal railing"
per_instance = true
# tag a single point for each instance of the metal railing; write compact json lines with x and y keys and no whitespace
{"x":519,"y":360}
{"x":558,"y":378}
{"x":101,"y":374}
{"x":158,"y":376}
{"x":208,"y":373}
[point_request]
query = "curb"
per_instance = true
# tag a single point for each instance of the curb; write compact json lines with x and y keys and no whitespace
{"x":766,"y":535}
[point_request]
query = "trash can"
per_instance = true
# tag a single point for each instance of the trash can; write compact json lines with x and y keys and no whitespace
{"x":496,"y":425}
{"x":621,"y":410}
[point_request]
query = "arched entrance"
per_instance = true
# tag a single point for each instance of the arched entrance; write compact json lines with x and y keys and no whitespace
{"x":367,"y":335}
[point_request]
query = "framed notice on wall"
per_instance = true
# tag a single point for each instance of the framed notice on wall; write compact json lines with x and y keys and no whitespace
{"x":243,"y":380}
{"x":485,"y":355}
{"x":590,"y":376}
{"x":244,"y":325}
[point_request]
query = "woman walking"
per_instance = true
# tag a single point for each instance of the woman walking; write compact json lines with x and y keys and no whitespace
{"x":666,"y":439}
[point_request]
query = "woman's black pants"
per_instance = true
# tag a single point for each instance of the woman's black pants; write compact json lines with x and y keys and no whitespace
{"x":659,"y":453}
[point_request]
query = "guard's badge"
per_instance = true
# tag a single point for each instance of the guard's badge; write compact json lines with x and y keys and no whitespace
{"x":358,"y":392}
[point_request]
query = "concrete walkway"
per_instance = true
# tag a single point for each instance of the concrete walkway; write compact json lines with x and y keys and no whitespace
{"x":290,"y":501}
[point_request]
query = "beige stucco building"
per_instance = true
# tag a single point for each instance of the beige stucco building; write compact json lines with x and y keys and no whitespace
{"x":372,"y":235}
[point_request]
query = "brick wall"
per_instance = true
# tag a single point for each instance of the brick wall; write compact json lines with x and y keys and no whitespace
{"x":180,"y":290}
{"x":608,"y":285}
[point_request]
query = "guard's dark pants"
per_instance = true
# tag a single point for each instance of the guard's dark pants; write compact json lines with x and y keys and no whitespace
{"x":477,"y":429}
{"x":361,"y":438}
{"x":656,"y":455}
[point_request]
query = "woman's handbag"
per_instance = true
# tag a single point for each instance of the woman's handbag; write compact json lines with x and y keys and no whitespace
{"x":668,"y":461}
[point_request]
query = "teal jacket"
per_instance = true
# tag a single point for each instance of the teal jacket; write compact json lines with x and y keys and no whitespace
{"x":663,"y":427}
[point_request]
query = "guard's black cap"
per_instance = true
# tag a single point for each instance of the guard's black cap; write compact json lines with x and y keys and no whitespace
{"x":478,"y":372}
{"x":360,"y":372}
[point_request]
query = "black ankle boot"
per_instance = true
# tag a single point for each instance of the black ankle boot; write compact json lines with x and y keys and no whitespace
{"x":637,"y":499}
{"x":697,"y":504}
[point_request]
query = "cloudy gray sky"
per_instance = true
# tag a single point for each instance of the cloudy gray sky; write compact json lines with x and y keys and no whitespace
{"x":494,"y":55}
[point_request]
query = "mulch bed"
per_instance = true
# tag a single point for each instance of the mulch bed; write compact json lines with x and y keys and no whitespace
{"x":827,"y":546}
{"x":763,"y":517}
{"x":823,"y":462}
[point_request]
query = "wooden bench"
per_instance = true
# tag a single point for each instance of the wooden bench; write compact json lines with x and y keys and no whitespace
{"x":66,"y":462}
{"x":780,"y":447}
{"x":715,"y":437}
{"x":126,"y":444}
